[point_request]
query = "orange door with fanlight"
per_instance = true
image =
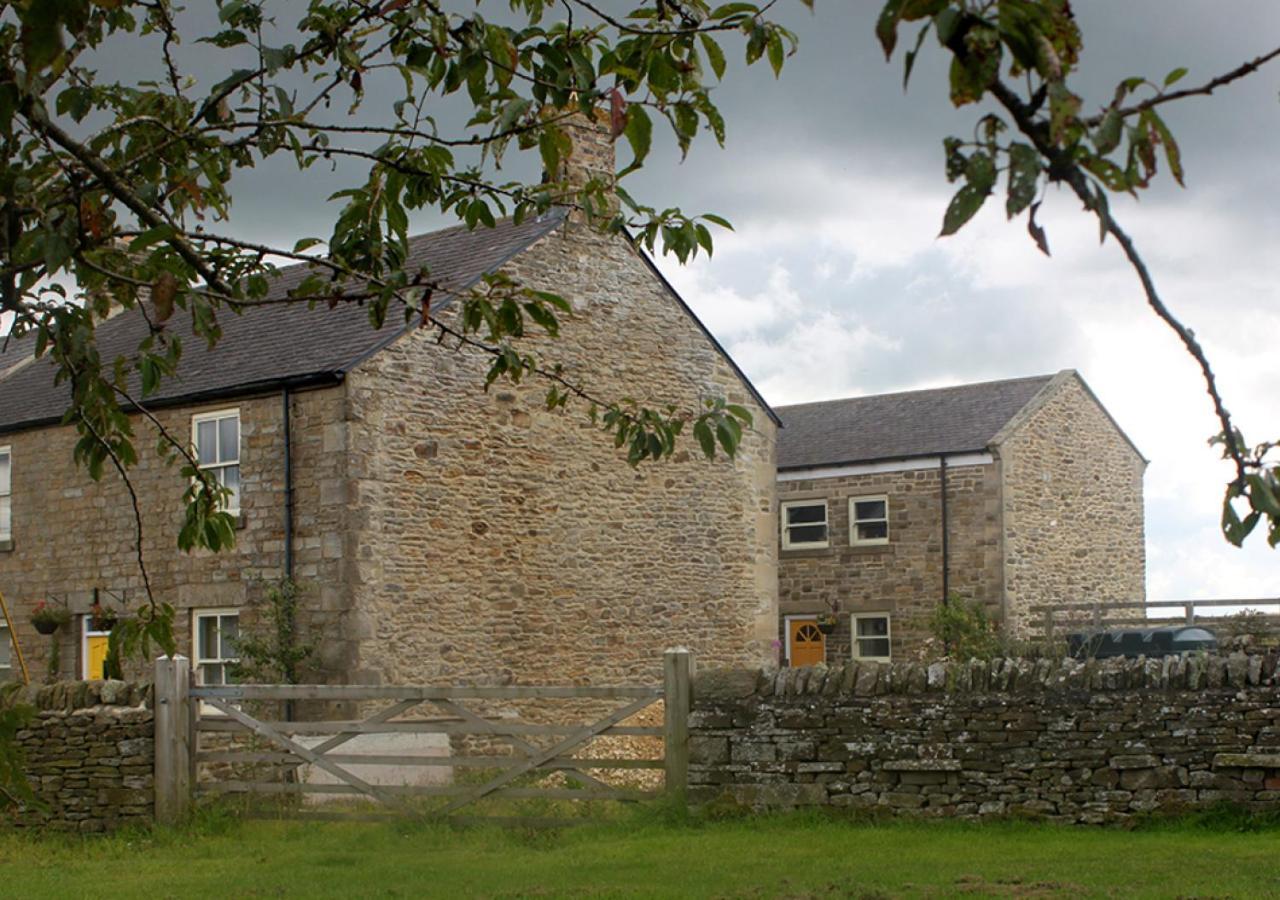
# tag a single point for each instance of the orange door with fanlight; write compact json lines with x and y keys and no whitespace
{"x":807,"y":645}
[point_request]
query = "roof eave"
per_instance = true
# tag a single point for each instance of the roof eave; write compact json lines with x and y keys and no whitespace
{"x":742,"y":376}
{"x":327,"y":378}
{"x":879,"y":459}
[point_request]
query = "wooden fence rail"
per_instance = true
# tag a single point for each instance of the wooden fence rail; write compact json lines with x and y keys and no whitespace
{"x":1053,"y":617}
{"x":185,"y":712}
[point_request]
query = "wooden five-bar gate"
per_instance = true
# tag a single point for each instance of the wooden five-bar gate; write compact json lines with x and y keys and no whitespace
{"x":218,"y":740}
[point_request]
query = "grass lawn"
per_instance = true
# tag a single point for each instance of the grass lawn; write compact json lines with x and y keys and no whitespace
{"x":776,"y":856}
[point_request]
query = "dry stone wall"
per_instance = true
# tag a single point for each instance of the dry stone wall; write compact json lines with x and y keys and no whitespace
{"x":90,"y":755}
{"x":1071,"y":741}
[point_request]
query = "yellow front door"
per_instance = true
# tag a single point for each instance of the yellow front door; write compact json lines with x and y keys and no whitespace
{"x":807,"y":645}
{"x":95,"y":656}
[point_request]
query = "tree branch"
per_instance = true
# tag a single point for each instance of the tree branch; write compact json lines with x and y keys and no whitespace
{"x":1203,"y":90}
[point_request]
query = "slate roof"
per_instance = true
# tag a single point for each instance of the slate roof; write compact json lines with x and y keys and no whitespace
{"x":269,"y":346}
{"x":275,"y":345}
{"x":909,"y":424}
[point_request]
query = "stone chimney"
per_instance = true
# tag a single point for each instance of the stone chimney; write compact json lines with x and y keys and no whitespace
{"x":591,"y":158}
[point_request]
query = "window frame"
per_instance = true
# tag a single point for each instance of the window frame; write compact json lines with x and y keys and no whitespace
{"x":854,"y":540}
{"x":787,"y":543}
{"x":216,"y":416}
{"x":853,"y":635}
{"x":197,"y":659}
{"x":6,"y":538}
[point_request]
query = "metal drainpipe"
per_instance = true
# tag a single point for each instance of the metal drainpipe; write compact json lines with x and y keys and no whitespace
{"x":946,"y":579}
{"x":288,"y":511}
{"x":288,"y":486}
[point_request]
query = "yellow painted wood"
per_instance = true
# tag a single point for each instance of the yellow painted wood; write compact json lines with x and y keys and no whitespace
{"x":808,"y":645}
{"x":95,"y":655}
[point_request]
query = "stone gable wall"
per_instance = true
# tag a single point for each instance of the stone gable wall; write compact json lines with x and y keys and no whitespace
{"x":1073,"y":512}
{"x":904,"y":576}
{"x":71,"y":534}
{"x":1072,"y":741}
{"x":499,"y":541}
{"x":90,"y":756}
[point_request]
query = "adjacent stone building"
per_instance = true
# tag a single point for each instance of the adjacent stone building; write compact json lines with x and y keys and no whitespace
{"x":438,"y":532}
{"x":1013,"y":493}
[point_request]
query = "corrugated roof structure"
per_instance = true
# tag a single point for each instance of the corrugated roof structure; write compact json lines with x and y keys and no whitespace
{"x":904,"y":425}
{"x":271,"y":345}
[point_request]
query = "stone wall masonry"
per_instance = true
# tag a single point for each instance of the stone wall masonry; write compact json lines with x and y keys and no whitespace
{"x":90,"y":755}
{"x":1072,"y":741}
{"x":500,"y":541}
{"x":904,"y":576}
{"x":1073,"y":514}
{"x":72,"y":534}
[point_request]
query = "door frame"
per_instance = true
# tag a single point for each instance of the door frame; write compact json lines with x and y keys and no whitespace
{"x":85,"y":633}
{"x":786,"y":633}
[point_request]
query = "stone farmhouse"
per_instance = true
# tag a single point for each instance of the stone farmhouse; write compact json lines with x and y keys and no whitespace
{"x":1013,"y":493}
{"x":438,"y":532}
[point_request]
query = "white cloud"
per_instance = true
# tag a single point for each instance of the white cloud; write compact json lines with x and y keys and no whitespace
{"x":917,"y":312}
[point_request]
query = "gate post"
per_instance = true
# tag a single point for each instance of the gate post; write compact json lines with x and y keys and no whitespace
{"x":677,"y":698}
{"x":172,"y":683}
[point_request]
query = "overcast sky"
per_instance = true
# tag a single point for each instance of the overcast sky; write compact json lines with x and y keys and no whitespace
{"x":834,"y":283}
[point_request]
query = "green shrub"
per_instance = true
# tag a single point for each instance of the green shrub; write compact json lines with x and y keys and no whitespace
{"x":966,"y":629}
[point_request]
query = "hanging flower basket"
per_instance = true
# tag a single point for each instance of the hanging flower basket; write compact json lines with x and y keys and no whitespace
{"x":47,"y":619}
{"x":827,"y":624}
{"x":101,"y":618}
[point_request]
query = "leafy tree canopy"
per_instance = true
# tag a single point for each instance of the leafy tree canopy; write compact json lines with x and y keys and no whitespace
{"x":119,"y":191}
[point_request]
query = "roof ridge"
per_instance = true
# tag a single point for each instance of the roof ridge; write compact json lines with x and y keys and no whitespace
{"x":461,"y":226}
{"x":937,"y":390}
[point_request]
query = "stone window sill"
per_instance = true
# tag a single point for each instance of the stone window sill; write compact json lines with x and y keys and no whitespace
{"x":809,"y":553}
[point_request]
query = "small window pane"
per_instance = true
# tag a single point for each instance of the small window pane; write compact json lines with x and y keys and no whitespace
{"x":4,"y":473}
{"x":804,"y":514}
{"x":6,"y":650}
{"x":230,"y":631}
{"x":230,"y":478}
{"x":873,"y":627}
{"x":6,"y":518}
{"x":873,"y":647}
{"x":808,"y":534}
{"x":872,"y":531}
{"x":869,"y":509}
{"x":207,"y":441}
{"x":207,"y":637}
{"x":229,"y":439}
{"x":211,"y":674}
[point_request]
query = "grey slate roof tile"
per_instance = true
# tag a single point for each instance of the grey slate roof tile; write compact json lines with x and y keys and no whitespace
{"x":896,"y":426}
{"x":271,"y":344}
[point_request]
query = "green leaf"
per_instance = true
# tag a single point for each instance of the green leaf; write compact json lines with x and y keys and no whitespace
{"x":1171,"y":152}
{"x":639,"y":132}
{"x":715,"y":55}
{"x":1107,"y":136}
{"x":1037,"y":233}
{"x":1175,"y":76}
{"x":910,"y":60}
{"x":41,"y":35}
{"x":1024,"y":176}
{"x":776,"y":53}
{"x":306,"y":244}
{"x":887,"y":26}
{"x":702,"y":431}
